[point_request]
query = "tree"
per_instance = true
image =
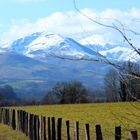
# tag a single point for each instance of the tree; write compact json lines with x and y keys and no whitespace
{"x":68,"y":92}
{"x":1,"y":95}
{"x":50,"y":98}
{"x":130,"y":82}
{"x":126,"y":87}
{"x":7,"y":96}
{"x":9,"y":92}
{"x":111,"y":83}
{"x":123,"y":91}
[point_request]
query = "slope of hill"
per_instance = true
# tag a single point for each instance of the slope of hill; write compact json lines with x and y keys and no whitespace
{"x":18,"y":66}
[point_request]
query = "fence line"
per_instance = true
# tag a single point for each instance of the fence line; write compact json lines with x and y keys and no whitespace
{"x":37,"y":128}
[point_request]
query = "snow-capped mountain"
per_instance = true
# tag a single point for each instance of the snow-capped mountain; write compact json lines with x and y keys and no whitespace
{"x":120,"y":53}
{"x":40,"y":45}
{"x":110,"y":50}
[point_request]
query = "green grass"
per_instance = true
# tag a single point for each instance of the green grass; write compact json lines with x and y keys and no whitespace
{"x":126,"y":115}
{"x":6,"y":133}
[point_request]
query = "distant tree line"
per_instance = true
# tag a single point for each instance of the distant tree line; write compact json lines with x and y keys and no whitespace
{"x":62,"y":93}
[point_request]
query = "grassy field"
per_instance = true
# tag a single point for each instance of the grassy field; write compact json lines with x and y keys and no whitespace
{"x":126,"y":115}
{"x":108,"y":115}
{"x":6,"y":133}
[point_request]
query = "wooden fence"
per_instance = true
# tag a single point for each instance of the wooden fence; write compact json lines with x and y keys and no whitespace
{"x":39,"y":128}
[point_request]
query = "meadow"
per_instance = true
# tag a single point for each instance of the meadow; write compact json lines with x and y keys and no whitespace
{"x":108,"y":115}
{"x":6,"y":133}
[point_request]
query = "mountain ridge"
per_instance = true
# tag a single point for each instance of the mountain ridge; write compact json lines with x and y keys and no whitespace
{"x":41,"y":44}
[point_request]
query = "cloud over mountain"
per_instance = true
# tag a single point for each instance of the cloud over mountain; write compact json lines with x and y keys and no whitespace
{"x":74,"y":25}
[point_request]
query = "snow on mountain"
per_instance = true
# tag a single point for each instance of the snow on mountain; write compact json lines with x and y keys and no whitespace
{"x":120,"y":53}
{"x":21,"y":45}
{"x":17,"y":66}
{"x":110,"y":50}
{"x":94,"y":39}
{"x":40,"y":45}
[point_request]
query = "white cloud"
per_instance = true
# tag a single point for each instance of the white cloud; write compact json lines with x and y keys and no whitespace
{"x":75,"y":25}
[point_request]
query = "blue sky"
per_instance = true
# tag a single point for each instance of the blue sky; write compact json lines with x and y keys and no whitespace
{"x":16,"y":13}
{"x":34,"y":9}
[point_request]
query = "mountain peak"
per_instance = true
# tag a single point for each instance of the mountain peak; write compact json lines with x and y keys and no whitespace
{"x":42,"y":44}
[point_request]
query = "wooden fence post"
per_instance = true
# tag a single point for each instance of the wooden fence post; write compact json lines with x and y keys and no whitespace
{"x":76,"y":131}
{"x":11,"y":112}
{"x":23,"y":113}
{"x":1,"y":115}
{"x":68,"y":129}
{"x":3,"y":119}
{"x":16,"y":118}
{"x":134,"y":135}
{"x":21,"y":121}
{"x":38,"y":124}
{"x":40,"y":127}
{"x":87,"y":131}
{"x":9,"y":117}
{"x":98,"y":133}
{"x":53,"y":129}
{"x":44,"y":128}
{"x":35,"y":125}
{"x":49,"y":128}
{"x":118,"y":133}
{"x":5,"y":116}
{"x":31,"y":127}
{"x":13,"y":120}
{"x":26,"y":123}
{"x":59,"y":125}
